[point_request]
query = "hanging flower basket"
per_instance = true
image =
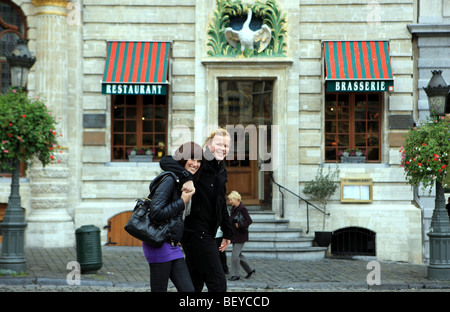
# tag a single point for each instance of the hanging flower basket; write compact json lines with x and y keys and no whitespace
{"x":27,"y":130}
{"x":425,"y":155}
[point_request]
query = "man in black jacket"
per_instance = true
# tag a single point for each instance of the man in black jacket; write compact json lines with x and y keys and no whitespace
{"x":208,"y":212}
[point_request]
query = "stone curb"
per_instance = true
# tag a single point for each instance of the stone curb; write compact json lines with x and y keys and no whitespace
{"x":25,"y":281}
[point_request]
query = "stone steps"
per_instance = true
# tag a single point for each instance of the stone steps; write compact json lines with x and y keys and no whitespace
{"x":271,"y":238}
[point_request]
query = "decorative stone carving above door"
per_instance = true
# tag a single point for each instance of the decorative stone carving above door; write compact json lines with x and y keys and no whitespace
{"x":264,"y":20}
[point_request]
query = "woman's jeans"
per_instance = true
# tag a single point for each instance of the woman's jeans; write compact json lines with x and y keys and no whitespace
{"x":176,"y":270}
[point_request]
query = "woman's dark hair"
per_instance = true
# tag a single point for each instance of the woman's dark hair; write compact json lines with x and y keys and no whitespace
{"x":190,"y":150}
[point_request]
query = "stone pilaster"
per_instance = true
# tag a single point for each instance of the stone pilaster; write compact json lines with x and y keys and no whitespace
{"x":52,"y":58}
{"x":49,"y":223}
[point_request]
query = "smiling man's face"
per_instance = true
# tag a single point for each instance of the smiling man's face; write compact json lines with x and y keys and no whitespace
{"x":220,"y":146}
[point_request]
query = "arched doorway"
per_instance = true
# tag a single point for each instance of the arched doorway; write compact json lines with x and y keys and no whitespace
{"x":117,"y":236}
{"x":353,"y":241}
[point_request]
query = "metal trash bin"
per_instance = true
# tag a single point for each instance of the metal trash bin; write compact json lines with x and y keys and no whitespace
{"x":89,"y":251}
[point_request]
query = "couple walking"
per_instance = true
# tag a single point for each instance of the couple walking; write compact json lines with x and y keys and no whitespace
{"x":202,"y":213}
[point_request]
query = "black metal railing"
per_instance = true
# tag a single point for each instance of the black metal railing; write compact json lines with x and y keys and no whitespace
{"x":308,"y":204}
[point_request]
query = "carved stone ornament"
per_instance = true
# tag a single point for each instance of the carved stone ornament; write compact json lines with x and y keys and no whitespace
{"x":245,"y":30}
{"x":248,"y":37}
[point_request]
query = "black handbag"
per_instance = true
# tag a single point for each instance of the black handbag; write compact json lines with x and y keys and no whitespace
{"x":143,"y":228}
{"x":239,"y":219}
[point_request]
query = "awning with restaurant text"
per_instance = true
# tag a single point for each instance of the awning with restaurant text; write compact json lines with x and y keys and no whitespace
{"x":134,"y":67}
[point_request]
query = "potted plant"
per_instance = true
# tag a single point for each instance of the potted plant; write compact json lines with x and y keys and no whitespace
{"x":140,"y":154}
{"x":320,"y":189}
{"x":353,"y":155}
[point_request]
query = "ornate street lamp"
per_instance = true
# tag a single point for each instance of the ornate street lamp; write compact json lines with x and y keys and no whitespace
{"x":439,"y":265}
{"x":437,"y":91}
{"x":20,"y":61}
{"x":13,"y":225}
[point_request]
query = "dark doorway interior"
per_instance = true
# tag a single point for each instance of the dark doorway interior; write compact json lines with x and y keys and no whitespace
{"x":353,"y":241}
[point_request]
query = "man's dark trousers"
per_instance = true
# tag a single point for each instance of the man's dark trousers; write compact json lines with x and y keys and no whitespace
{"x":203,"y":261}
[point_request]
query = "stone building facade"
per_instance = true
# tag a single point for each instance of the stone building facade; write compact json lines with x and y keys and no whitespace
{"x":431,"y":41}
{"x":286,"y":89}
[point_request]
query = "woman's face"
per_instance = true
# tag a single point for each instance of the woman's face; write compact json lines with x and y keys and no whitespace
{"x":234,"y":202}
{"x":192,"y":165}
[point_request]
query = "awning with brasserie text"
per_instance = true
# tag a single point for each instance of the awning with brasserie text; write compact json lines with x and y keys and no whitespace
{"x":134,"y":67}
{"x":358,"y":66}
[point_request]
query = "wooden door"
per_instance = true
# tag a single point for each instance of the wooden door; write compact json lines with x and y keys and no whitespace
{"x":243,"y":180}
{"x":245,"y":104}
{"x":117,"y":236}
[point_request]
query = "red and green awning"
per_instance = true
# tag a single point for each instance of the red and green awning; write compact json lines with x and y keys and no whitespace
{"x":358,"y":66}
{"x":134,"y":67}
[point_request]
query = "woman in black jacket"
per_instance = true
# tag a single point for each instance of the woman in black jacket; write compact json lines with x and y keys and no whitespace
{"x":169,"y":202}
{"x":240,"y":236}
{"x":209,"y":211}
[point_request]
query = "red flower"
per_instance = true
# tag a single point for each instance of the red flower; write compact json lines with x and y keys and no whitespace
{"x":10,"y":124}
{"x":23,"y":116}
{"x":424,"y":144}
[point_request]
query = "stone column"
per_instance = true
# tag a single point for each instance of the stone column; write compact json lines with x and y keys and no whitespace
{"x":49,"y":223}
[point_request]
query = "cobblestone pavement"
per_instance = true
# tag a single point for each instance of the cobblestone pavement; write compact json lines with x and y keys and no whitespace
{"x":126,"y":269}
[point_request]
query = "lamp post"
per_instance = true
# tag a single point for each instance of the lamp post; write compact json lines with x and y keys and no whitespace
{"x":439,"y":265}
{"x":13,"y":225}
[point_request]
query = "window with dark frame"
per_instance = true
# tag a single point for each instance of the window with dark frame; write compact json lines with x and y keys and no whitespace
{"x":353,"y":120}
{"x":138,"y":121}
